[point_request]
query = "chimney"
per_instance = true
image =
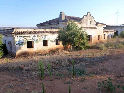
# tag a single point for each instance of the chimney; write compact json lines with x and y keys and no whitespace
{"x":61,"y":16}
{"x":88,"y":13}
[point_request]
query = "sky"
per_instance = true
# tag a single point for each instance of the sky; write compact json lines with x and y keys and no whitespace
{"x":28,"y":13}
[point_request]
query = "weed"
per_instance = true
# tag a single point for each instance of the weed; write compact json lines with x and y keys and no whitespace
{"x":59,"y":75}
{"x":111,"y":44}
{"x":69,"y":89}
{"x":50,"y":69}
{"x":80,"y":70}
{"x":107,"y":85}
{"x":77,"y":70}
{"x":68,"y":82}
{"x":73,"y":68}
{"x":43,"y":88}
{"x":41,"y":69}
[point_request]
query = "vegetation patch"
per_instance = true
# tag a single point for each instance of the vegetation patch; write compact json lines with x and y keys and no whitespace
{"x":108,"y":86}
{"x":110,"y":44}
{"x":3,"y":49}
{"x":73,"y":37}
{"x":122,"y":34}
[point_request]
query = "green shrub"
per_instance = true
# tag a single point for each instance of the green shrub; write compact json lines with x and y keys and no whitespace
{"x":73,"y":36}
{"x":80,"y":72}
{"x":122,"y":34}
{"x":43,"y":88}
{"x":3,"y":49}
{"x":73,"y":68}
{"x":107,"y":85}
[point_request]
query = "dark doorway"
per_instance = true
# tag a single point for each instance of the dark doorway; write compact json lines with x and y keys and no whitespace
{"x":57,"y":42}
{"x":104,"y":36}
{"x":30,"y":44}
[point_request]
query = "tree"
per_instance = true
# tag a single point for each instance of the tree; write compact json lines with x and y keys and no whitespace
{"x":74,"y":36}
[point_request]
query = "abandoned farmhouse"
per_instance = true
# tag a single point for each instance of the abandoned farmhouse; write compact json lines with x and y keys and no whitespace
{"x":45,"y":36}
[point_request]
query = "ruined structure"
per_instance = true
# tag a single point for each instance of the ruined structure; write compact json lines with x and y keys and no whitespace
{"x":118,"y":28}
{"x":45,"y":37}
{"x":21,"y":40}
{"x":95,"y":30}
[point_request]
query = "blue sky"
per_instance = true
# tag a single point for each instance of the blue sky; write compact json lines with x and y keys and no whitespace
{"x":31,"y":12}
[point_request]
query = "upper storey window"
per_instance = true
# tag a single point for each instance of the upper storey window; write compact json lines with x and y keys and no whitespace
{"x":90,"y":22}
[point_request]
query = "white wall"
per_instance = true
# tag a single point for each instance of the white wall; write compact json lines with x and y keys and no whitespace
{"x":38,"y":42}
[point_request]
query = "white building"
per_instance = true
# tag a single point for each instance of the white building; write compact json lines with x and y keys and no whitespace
{"x":95,"y":30}
{"x":20,"y":41}
{"x":44,"y":38}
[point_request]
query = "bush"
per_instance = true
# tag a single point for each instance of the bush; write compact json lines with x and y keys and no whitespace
{"x":1,"y":53}
{"x":3,"y":49}
{"x":73,"y":36}
{"x":122,"y":34}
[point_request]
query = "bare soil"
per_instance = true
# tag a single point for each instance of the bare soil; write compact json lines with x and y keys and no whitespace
{"x":20,"y":75}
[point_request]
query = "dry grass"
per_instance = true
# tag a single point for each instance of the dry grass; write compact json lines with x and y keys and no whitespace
{"x":22,"y":72}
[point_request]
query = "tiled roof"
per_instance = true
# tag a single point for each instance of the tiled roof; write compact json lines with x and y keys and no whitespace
{"x":56,"y":20}
{"x":73,"y":18}
{"x":28,"y":31}
{"x":90,"y":27}
{"x":50,"y":22}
